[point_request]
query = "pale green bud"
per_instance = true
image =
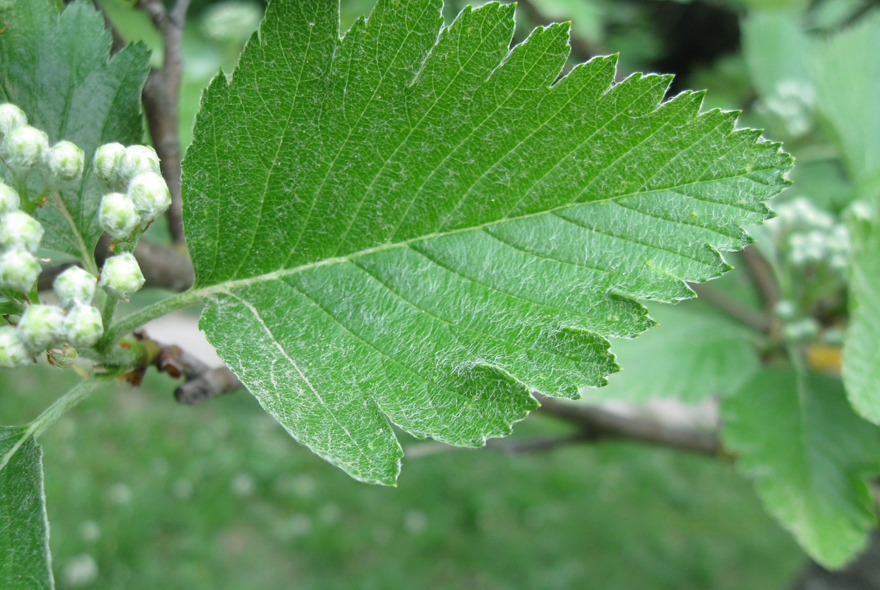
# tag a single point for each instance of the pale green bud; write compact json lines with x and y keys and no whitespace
{"x":9,"y":200}
{"x":11,"y":118}
{"x":62,"y":357}
{"x":75,"y":286}
{"x":137,"y":159}
{"x":150,"y":195}
{"x":12,"y":350}
{"x":65,"y":162}
{"x":83,"y":326}
{"x":40,"y":326}
{"x":23,"y":148}
{"x":118,"y":216}
{"x":107,"y":160}
{"x":18,"y":270}
{"x":121,"y":276}
{"x":20,"y":230}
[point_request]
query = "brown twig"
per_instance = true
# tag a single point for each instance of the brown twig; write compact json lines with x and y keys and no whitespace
{"x":731,"y":307}
{"x":161,"y":102}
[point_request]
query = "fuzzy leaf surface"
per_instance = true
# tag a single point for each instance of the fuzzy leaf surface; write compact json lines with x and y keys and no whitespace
{"x":810,"y":456}
{"x":25,"y":562}
{"x":415,"y":225}
{"x":57,"y":68}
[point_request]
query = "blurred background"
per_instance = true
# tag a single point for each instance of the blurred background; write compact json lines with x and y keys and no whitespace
{"x":144,"y":493}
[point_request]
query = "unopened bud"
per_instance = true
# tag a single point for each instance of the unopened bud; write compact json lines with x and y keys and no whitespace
{"x":137,"y":159}
{"x":107,"y":160}
{"x":9,"y":200}
{"x":75,"y":286}
{"x":149,"y":193}
{"x":121,"y":276}
{"x":23,"y":148}
{"x":11,"y":118}
{"x":12,"y":350}
{"x":20,"y":230}
{"x":65,"y":162}
{"x":18,"y":270}
{"x":83,"y":326}
{"x":118,"y":216}
{"x":62,"y":357}
{"x":40,"y":326}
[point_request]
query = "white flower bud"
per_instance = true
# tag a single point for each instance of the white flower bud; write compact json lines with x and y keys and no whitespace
{"x":20,"y":230}
{"x":83,"y":326}
{"x":150,"y":195}
{"x":75,"y":286}
{"x":65,"y":162}
{"x":118,"y":216}
{"x":11,"y":118}
{"x":24,"y":147}
{"x":12,"y":350}
{"x":40,"y":326}
{"x":107,"y":160}
{"x":18,"y":270}
{"x":9,"y":200}
{"x":137,"y":159}
{"x":121,"y":276}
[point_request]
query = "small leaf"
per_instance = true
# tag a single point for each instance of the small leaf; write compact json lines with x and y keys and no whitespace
{"x":57,"y":68}
{"x":416,"y":225}
{"x":25,"y":562}
{"x":810,"y":456}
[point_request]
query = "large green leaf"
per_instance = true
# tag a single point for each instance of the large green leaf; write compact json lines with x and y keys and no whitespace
{"x":25,"y":562}
{"x":57,"y":68}
{"x":810,"y":455}
{"x":418,"y":226}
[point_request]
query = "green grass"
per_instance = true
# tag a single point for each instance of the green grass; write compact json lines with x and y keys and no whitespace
{"x":219,"y":497}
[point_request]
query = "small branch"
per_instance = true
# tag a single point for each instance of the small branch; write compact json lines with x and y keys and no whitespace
{"x":161,"y":102}
{"x":731,"y":307}
{"x":762,"y":275}
{"x":201,"y":381}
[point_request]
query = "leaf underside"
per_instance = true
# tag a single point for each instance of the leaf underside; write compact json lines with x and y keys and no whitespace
{"x":810,"y":456}
{"x":416,"y":225}
{"x":57,"y":68}
{"x":25,"y":563}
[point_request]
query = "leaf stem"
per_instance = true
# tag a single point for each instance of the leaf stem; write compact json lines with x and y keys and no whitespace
{"x":151,"y":312}
{"x":51,"y":414}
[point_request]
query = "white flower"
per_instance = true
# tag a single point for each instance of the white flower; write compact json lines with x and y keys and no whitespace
{"x":20,"y":230}
{"x":75,"y":286}
{"x":65,"y":162}
{"x":121,"y":276}
{"x":118,"y":216}
{"x":83,"y":326}
{"x":18,"y":270}
{"x":137,"y":159}
{"x":107,"y":160}
{"x":40,"y":326}
{"x":150,"y":195}
{"x":12,"y":350}
{"x":9,"y":199}
{"x":11,"y":118}
{"x":23,"y":148}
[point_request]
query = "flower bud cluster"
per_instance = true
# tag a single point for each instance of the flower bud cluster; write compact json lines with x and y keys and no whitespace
{"x":810,"y":237}
{"x":25,"y":148}
{"x":75,"y":324}
{"x":20,"y":236}
{"x":134,"y":169}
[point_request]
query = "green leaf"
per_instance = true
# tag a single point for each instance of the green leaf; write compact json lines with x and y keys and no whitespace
{"x":810,"y":455}
{"x":415,"y":225}
{"x":57,"y":68}
{"x":693,"y":354}
{"x":25,"y":562}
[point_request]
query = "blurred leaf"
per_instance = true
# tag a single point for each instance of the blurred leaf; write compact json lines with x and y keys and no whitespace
{"x":25,"y":562}
{"x":426,"y":230}
{"x":57,"y":68}
{"x":774,"y":45}
{"x":694,"y":353}
{"x":810,"y":456}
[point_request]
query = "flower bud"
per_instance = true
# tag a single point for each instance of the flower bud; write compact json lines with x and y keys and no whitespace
{"x":62,"y":357}
{"x":107,"y":160}
{"x":40,"y":326}
{"x":12,"y":350}
{"x":75,"y":286}
{"x":137,"y":159}
{"x":65,"y":162}
{"x":118,"y":216}
{"x":150,"y":195}
{"x":11,"y":118}
{"x":9,"y":200}
{"x":20,"y":230}
{"x":18,"y":270}
{"x":24,"y":147}
{"x":121,"y":276}
{"x":83,"y":326}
